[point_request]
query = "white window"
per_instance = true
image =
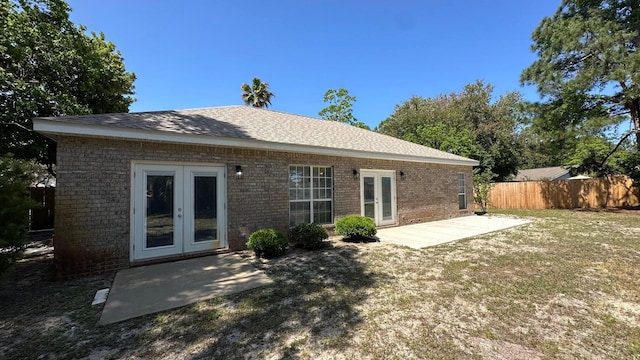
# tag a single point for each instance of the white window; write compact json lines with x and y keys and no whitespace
{"x":310,"y":195}
{"x":462,"y":193}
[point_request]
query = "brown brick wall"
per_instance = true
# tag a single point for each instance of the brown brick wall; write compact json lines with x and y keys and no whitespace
{"x":93,"y":193}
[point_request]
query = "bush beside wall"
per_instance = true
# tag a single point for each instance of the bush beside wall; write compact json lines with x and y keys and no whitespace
{"x":308,"y":236}
{"x":267,"y":243}
{"x":356,"y":227}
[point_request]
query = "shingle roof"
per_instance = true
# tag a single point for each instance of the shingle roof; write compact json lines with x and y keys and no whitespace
{"x":548,"y":173}
{"x":251,"y":126}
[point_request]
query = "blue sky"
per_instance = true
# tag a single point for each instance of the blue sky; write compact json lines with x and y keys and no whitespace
{"x":192,"y":54}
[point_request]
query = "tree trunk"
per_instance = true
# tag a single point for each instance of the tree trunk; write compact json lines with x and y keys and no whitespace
{"x":634,"y":107}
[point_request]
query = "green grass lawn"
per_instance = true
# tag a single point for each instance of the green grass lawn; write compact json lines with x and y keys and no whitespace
{"x":565,"y":286}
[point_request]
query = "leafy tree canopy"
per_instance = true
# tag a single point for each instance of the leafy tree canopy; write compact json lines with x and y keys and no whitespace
{"x":560,"y":131}
{"x":52,"y":67}
{"x":468,"y":124}
{"x":257,"y":94}
{"x":340,"y":108}
{"x":588,"y":67}
{"x":15,"y":178}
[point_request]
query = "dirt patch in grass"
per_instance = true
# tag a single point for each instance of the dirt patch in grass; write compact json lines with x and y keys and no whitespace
{"x":565,"y":286}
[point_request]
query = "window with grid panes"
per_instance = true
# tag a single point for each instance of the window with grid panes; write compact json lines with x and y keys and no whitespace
{"x":310,"y":194}
{"x":462,"y":193}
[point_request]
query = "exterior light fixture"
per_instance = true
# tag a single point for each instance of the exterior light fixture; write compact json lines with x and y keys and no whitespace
{"x":239,"y":172}
{"x":402,"y":175}
{"x":354,"y":172}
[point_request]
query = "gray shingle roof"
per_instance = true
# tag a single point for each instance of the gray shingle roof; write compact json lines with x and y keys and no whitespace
{"x":267,"y":127}
{"x":548,"y":173}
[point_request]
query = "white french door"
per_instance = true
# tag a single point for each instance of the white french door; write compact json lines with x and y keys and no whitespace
{"x":378,"y":196}
{"x":177,"y":209}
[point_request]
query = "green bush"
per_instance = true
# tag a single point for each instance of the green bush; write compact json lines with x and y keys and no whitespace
{"x":267,"y":243}
{"x":308,"y":236}
{"x":482,"y":185}
{"x":356,"y":227}
{"x":15,"y":179}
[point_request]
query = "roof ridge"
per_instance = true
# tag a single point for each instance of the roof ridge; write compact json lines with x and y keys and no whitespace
{"x":209,"y":107}
{"x":282,"y":112}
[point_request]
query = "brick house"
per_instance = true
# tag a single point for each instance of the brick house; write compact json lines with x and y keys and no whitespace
{"x":139,"y":187}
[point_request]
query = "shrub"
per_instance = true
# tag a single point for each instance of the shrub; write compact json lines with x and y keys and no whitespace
{"x":308,"y":236}
{"x":482,"y":185}
{"x":15,"y":178}
{"x":356,"y":227}
{"x":267,"y":243}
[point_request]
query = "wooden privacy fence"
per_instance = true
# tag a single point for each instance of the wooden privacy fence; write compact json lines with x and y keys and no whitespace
{"x":614,"y":191}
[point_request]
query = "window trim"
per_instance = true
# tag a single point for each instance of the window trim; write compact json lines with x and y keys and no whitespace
{"x":464,"y":192}
{"x":311,"y":199}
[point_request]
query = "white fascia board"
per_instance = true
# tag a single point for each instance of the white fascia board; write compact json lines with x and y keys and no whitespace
{"x":53,"y":127}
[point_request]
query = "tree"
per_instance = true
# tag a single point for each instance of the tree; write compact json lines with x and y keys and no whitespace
{"x":447,"y":138}
{"x":468,"y":124}
{"x":257,"y":94}
{"x":52,"y":67}
{"x":565,"y":132}
{"x":482,"y":185}
{"x":340,"y":108}
{"x":15,"y":178}
{"x":631,"y":166}
{"x":588,"y":64}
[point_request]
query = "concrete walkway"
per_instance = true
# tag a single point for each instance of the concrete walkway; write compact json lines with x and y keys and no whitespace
{"x":149,"y":289}
{"x":423,"y":235}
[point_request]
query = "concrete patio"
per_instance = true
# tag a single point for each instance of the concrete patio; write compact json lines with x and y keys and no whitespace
{"x":148,"y":289}
{"x":433,"y":233}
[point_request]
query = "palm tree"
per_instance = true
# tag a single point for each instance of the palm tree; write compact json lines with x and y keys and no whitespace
{"x":257,"y":94}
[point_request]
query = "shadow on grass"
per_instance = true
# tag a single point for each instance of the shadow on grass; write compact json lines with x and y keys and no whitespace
{"x":312,"y":304}
{"x":41,"y":317}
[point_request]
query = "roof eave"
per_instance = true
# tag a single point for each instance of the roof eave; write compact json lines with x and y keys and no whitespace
{"x":48,"y":126}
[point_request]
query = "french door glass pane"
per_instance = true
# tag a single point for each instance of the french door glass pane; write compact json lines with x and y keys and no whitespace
{"x":369,"y":210}
{"x":369,"y":190}
{"x":386,"y":198}
{"x":369,"y":196}
{"x":159,"y":221}
{"x":205,"y":211}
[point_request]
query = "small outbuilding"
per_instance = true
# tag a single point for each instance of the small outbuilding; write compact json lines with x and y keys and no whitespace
{"x":135,"y":188}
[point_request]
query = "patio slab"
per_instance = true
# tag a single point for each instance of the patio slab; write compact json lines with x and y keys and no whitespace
{"x":148,"y":289}
{"x":433,"y":233}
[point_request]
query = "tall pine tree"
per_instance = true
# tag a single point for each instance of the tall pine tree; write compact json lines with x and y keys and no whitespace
{"x":588,"y":64}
